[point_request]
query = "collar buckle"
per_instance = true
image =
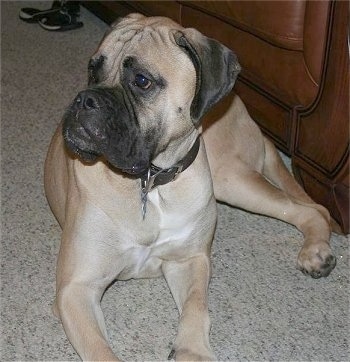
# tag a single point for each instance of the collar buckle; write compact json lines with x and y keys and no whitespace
{"x":157,"y":176}
{"x":177,"y":172}
{"x":147,"y":182}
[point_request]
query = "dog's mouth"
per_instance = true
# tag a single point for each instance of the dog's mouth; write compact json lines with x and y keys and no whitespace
{"x":78,"y":142}
{"x":81,"y":144}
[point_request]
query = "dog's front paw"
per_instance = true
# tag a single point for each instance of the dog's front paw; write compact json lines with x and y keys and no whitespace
{"x":316,"y":259}
{"x":188,"y":355}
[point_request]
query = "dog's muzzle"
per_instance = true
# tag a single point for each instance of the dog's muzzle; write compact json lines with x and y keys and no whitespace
{"x":102,"y":122}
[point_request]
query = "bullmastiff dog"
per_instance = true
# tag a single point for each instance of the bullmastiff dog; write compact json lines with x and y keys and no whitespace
{"x":134,"y":171}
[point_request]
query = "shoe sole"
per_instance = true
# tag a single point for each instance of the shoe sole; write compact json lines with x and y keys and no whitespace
{"x":36,"y":15}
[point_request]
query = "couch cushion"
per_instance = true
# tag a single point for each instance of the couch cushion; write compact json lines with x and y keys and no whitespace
{"x":281,"y":25}
{"x":170,"y":9}
{"x":278,"y":71}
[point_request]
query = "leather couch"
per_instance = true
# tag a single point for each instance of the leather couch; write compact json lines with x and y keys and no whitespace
{"x":294,"y":82}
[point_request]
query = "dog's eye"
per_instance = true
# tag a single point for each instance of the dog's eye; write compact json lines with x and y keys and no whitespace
{"x":142,"y":82}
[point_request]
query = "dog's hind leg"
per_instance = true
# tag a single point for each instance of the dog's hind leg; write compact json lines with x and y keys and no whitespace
{"x":276,"y":172}
{"x":250,"y":190}
{"x":188,"y":281}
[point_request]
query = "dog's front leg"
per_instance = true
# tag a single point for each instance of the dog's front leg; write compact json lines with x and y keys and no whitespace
{"x":84,"y":270}
{"x":188,"y":281}
{"x":82,"y":319}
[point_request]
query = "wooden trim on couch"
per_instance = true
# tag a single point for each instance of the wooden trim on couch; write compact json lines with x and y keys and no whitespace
{"x":320,"y":156}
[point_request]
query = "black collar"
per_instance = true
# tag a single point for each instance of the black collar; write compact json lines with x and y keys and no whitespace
{"x":156,"y":176}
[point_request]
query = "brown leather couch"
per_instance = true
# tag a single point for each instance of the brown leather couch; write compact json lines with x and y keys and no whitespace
{"x":295,"y":78}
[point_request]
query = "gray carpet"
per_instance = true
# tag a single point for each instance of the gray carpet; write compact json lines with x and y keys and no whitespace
{"x":261,"y":307}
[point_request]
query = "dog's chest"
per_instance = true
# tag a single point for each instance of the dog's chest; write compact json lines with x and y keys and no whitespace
{"x":172,"y":229}
{"x":173,"y":223}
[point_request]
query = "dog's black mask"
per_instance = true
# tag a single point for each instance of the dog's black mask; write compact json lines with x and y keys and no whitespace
{"x":101,"y":122}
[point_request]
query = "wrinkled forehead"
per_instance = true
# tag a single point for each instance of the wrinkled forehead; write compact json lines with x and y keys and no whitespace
{"x":125,"y":29}
{"x":137,"y":31}
{"x":150,"y":40}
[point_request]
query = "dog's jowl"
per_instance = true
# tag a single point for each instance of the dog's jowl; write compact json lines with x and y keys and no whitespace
{"x":134,"y":171}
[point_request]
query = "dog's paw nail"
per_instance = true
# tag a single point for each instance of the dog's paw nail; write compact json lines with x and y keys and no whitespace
{"x":171,"y":355}
{"x":330,"y":261}
{"x":315,"y":274}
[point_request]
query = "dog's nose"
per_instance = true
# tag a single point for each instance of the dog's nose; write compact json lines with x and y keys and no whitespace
{"x":87,"y":100}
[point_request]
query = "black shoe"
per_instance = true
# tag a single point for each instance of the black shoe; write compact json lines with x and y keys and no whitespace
{"x":31,"y":15}
{"x":64,"y":19}
{"x":60,"y":21}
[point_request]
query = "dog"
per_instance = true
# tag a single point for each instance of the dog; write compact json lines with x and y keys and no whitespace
{"x":134,"y":170}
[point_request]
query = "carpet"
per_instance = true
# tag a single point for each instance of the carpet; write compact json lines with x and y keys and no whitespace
{"x":261,"y":307}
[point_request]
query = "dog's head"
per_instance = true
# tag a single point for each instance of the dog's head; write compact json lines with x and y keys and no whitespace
{"x":150,"y":82}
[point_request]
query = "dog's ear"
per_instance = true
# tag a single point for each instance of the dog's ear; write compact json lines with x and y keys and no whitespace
{"x":216,"y":67}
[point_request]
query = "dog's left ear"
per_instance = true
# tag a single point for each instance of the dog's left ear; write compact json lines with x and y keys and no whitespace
{"x":216,"y":67}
